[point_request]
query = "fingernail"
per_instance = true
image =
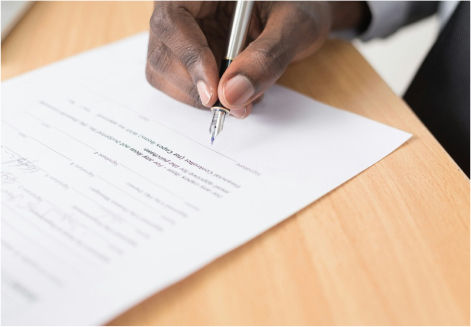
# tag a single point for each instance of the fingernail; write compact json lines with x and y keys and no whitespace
{"x":238,"y":90}
{"x":239,"y":113}
{"x":204,"y":92}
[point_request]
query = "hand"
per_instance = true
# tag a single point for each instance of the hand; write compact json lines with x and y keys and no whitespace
{"x":187,"y":42}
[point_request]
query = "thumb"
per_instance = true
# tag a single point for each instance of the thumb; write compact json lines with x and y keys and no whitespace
{"x":257,"y":67}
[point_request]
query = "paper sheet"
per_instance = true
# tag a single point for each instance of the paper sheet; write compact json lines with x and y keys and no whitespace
{"x":111,"y":190}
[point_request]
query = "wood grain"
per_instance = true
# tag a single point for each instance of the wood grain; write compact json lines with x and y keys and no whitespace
{"x":390,"y":246}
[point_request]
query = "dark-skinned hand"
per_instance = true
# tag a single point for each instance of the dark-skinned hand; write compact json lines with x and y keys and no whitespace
{"x":187,"y":41}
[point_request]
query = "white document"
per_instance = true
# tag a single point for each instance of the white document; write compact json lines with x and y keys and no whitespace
{"x":111,"y":190}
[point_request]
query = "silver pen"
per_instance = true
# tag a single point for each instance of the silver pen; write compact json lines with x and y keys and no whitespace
{"x":237,"y":37}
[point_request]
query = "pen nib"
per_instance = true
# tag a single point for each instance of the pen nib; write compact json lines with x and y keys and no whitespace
{"x":217,"y":123}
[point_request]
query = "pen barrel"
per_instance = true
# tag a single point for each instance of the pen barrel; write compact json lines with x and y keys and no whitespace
{"x":237,"y":36}
{"x":224,"y":65}
{"x":239,"y":28}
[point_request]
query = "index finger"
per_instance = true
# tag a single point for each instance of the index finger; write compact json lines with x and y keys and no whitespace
{"x":174,"y":24}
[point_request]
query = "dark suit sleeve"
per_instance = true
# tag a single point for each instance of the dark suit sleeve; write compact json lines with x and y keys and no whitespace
{"x":389,"y":16}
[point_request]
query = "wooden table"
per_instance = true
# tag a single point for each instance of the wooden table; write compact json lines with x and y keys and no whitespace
{"x":390,"y":246}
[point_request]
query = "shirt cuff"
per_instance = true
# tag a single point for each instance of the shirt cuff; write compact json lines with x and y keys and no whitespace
{"x":386,"y":18}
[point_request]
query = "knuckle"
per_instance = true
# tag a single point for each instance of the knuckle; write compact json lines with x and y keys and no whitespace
{"x":190,"y":55}
{"x":190,"y":58}
{"x":308,"y":19}
{"x":161,"y":22}
{"x":271,"y":59}
{"x":160,"y":57}
{"x":194,"y":95}
{"x":156,"y":19}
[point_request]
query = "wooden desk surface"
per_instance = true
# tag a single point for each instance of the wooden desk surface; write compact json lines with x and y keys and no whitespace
{"x":390,"y":246}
